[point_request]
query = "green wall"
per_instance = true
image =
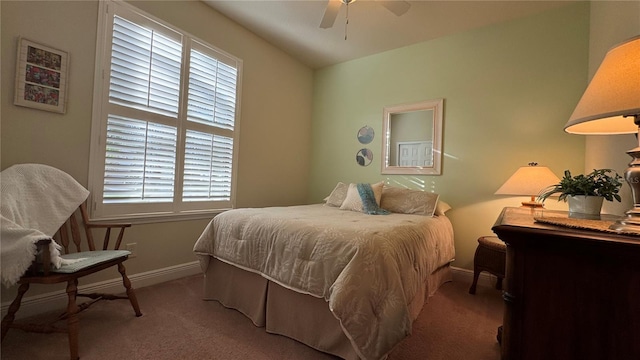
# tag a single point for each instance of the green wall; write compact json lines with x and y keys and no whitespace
{"x":508,"y":90}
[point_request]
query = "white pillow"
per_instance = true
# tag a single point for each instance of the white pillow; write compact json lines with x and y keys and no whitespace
{"x":409,"y":201}
{"x":442,"y":208}
{"x":338,"y":195}
{"x":353,"y":201}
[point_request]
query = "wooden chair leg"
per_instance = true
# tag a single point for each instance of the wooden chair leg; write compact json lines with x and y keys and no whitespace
{"x":130,"y":292}
{"x":472,"y":289}
{"x":72,"y":318}
{"x":13,"y":309}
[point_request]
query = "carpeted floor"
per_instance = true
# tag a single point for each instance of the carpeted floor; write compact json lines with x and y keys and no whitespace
{"x":177,"y":324}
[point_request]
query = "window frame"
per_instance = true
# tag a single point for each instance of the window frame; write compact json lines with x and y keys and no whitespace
{"x":164,"y":211}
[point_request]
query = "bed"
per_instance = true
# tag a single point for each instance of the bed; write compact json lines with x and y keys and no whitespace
{"x":337,"y":279}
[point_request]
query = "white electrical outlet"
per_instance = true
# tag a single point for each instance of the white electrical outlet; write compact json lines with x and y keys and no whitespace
{"x":132,"y":247}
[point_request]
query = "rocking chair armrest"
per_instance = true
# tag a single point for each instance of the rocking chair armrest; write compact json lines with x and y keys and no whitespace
{"x":43,"y":259}
{"x":43,"y":242}
{"x":108,"y":226}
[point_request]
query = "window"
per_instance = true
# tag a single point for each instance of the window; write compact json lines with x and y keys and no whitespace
{"x":164,"y":120}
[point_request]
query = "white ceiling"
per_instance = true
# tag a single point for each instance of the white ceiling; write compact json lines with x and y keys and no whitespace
{"x":293,"y":25}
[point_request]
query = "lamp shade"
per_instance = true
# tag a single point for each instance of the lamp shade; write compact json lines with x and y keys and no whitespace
{"x":613,"y":93}
{"x":528,"y":181}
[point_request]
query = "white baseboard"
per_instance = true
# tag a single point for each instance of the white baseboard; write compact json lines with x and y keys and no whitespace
{"x":466,"y":276}
{"x":38,"y":304}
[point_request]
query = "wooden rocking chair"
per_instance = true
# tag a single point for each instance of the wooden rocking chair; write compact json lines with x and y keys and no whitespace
{"x":76,"y":244}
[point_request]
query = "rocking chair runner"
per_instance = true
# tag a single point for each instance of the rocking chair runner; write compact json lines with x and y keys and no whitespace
{"x":70,"y":237}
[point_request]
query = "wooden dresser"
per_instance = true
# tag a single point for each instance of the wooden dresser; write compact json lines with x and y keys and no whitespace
{"x":569,"y":293}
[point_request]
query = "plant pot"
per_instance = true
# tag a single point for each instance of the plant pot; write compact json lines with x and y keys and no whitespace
{"x":585,"y":205}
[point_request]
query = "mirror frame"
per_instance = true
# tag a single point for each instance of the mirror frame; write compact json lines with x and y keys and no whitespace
{"x":436,"y":169}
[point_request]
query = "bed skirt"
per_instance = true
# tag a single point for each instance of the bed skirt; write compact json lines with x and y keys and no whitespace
{"x":282,"y":311}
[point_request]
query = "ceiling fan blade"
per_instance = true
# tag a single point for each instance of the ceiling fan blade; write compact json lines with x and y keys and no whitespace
{"x":330,"y":13}
{"x":396,"y":7}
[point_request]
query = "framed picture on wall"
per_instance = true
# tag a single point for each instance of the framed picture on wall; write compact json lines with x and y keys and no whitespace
{"x":41,"y":77}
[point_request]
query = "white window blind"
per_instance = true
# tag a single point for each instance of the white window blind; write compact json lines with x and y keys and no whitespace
{"x":145,"y":68}
{"x":207,"y":167}
{"x":214,"y":105}
{"x":166,"y":123}
{"x":140,"y":161}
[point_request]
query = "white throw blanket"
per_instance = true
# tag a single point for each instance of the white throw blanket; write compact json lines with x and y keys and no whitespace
{"x":35,"y":201}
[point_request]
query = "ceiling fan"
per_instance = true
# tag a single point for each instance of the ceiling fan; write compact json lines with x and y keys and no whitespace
{"x":397,"y":7}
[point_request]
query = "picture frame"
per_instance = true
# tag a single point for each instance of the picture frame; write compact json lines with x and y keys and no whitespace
{"x":41,"y":77}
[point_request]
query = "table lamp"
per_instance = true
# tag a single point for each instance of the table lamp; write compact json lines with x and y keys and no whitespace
{"x":529,"y":181}
{"x":611,"y":105}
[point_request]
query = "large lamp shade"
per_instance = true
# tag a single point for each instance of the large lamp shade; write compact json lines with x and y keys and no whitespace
{"x":611,"y":105}
{"x":613,"y":95}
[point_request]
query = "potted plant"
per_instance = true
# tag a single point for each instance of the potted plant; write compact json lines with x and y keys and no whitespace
{"x":585,"y":193}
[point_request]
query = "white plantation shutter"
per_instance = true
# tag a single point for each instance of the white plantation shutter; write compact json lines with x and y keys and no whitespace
{"x":209,"y":155}
{"x":140,"y":161}
{"x":167,"y":120}
{"x":213,"y":105}
{"x":207,"y":167}
{"x":145,"y":68}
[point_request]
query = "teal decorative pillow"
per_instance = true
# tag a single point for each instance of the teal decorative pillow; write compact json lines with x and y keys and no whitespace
{"x":369,"y":204}
{"x":353,"y":201}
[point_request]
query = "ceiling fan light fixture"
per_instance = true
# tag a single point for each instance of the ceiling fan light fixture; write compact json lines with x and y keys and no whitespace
{"x":398,"y":7}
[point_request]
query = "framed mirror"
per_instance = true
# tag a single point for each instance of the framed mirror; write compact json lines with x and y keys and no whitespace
{"x":412,"y":138}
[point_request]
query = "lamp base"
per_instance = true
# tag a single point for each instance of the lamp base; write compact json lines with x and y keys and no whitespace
{"x":631,"y":221}
{"x":532,"y":204}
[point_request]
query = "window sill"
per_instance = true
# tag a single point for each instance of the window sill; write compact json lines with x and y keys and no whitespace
{"x":159,"y":218}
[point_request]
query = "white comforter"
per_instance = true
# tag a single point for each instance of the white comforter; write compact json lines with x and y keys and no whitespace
{"x":368,"y":267}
